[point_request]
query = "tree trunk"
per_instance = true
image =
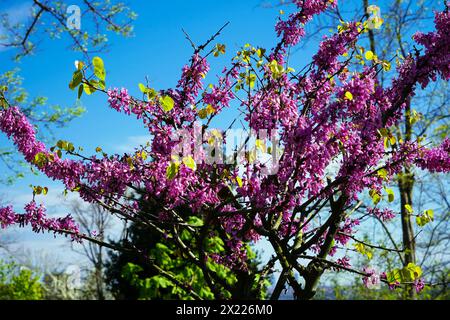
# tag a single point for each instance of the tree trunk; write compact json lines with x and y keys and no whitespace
{"x":99,"y":278}
{"x":406,"y":185}
{"x":99,"y":283}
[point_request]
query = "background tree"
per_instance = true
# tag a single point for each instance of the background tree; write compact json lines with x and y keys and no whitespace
{"x":52,"y":19}
{"x":94,"y":220}
{"x":18,"y":283}
{"x":130,"y":279}
{"x":426,"y":116}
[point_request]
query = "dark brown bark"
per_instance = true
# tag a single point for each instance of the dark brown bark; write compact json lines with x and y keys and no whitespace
{"x":99,"y":281}
{"x":405,"y":180}
{"x":316,"y":268}
{"x":406,"y":186}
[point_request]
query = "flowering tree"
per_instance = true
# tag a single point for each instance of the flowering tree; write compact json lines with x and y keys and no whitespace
{"x":316,"y":144}
{"x":52,"y":19}
{"x":401,"y":19}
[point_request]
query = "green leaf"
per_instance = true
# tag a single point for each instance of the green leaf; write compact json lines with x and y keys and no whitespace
{"x":167,"y":103}
{"x":411,"y":272}
{"x":90,"y":89}
{"x":276,"y":69}
{"x":239,"y":181}
{"x":260,"y":145}
{"x":79,"y":65}
{"x":172,"y":170}
{"x":62,"y":144}
{"x":361,"y":248}
{"x":369,"y":55}
{"x":142,"y":87}
{"x":203,"y":113}
{"x":80,"y":91}
{"x":130,"y":272}
{"x":260,"y":52}
{"x":387,"y":143}
{"x":99,"y":68}
{"x":40,"y":159}
{"x":392,"y":140}
{"x":382,"y":173}
{"x":408,"y":208}
{"x":376,"y":198}
{"x":391,"y":195}
{"x":162,"y":282}
{"x":348,"y":95}
{"x":210,"y":109}
{"x":195,"y":221}
{"x":394,"y":276}
{"x":143,"y":155}
{"x":250,"y":80}
{"x":190,"y":163}
{"x":70,"y":147}
{"x":384,"y":132}
{"x":101,"y":84}
{"x":220,"y":49}
{"x":425,"y":218}
{"x":429,"y":213}
{"x":76,"y":80}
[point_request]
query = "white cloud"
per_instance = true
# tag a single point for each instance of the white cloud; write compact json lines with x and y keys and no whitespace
{"x":131,"y":144}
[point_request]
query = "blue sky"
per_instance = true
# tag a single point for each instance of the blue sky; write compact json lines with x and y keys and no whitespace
{"x":157,"y":50}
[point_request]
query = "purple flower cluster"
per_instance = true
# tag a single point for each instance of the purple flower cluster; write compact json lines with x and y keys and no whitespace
{"x":372,"y":279}
{"x":436,"y":159}
{"x":292,"y":30}
{"x":119,"y":100}
{"x":344,"y":262}
{"x":346,"y":230}
{"x":419,"y":285}
{"x":384,"y":214}
{"x":35,"y":216}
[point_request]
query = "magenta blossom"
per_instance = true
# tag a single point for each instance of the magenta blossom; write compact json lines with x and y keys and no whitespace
{"x":372,"y":278}
{"x":419,"y":285}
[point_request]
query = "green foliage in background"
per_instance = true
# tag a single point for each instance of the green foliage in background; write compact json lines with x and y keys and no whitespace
{"x":129,"y":278}
{"x":18,"y":283}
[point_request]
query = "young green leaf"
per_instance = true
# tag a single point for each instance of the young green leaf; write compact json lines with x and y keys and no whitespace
{"x":239,"y":181}
{"x":369,"y":55}
{"x":425,"y":218}
{"x":190,"y":163}
{"x":172,"y":170}
{"x":80,"y":90}
{"x":76,"y":80}
{"x":167,"y":103}
{"x":348,"y":95}
{"x":408,"y":208}
{"x":391,"y":195}
{"x":99,"y":68}
{"x":142,"y":87}
{"x":195,"y":221}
